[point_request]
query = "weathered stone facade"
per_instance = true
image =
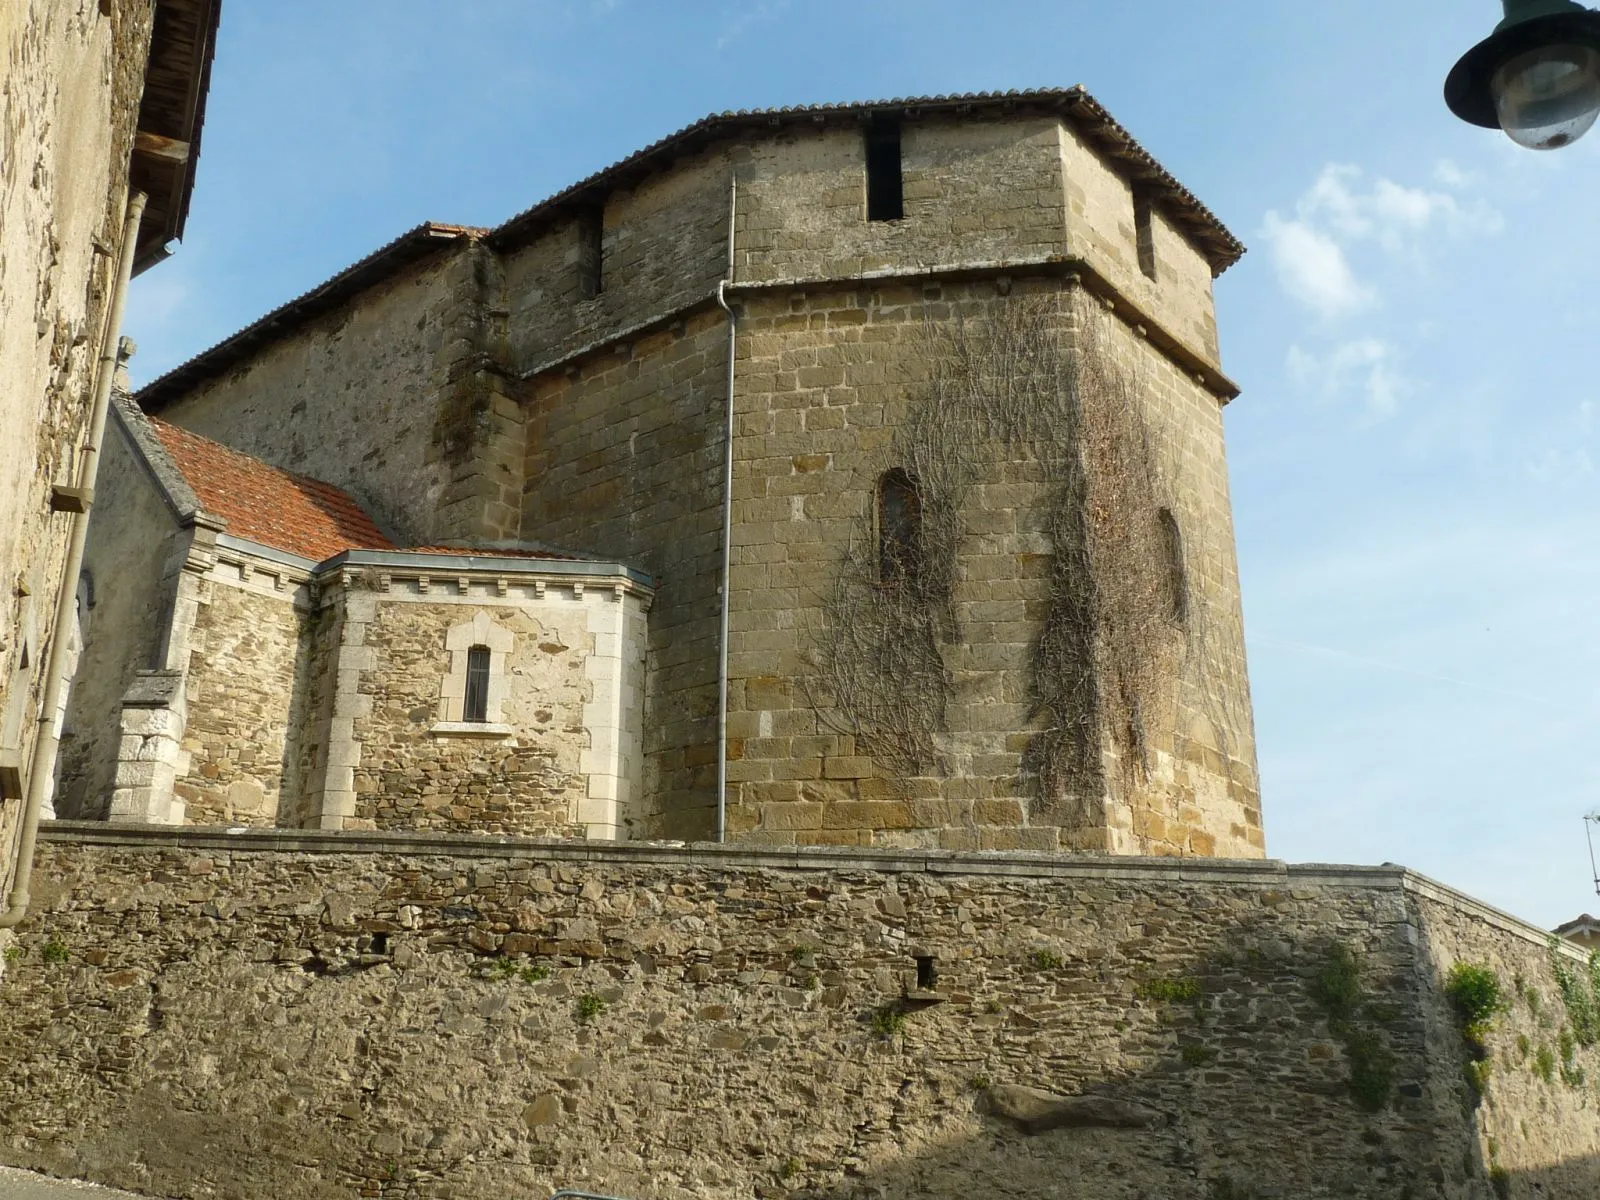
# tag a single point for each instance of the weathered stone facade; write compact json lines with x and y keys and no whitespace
{"x":87,"y":117}
{"x":67,"y":122}
{"x":242,"y":684}
{"x":563,"y":380}
{"x":308,"y":1015}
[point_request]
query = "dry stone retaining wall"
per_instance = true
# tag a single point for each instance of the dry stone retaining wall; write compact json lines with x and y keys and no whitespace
{"x":327,"y":1015}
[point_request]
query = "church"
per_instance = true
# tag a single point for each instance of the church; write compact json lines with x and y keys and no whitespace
{"x":838,"y":475}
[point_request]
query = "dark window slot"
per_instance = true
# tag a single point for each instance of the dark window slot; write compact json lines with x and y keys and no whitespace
{"x":1144,"y":232}
{"x":591,"y":232}
{"x":885,"y":179}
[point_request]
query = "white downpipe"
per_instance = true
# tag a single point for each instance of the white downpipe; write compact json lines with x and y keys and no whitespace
{"x":727,"y":530}
{"x":46,"y":741}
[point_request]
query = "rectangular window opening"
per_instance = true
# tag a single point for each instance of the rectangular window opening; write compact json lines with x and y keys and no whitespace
{"x":927,"y":974}
{"x":476,"y":705}
{"x":1144,"y":232}
{"x":591,"y":230}
{"x":885,"y":179}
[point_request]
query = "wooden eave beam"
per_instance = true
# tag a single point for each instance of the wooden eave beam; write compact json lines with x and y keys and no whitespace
{"x":165,"y":148}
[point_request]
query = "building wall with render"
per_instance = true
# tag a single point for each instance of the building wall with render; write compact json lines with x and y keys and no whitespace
{"x":74,"y":77}
{"x":321,"y":1015}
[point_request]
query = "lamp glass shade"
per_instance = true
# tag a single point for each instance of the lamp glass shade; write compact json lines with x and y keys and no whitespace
{"x":1548,"y":97}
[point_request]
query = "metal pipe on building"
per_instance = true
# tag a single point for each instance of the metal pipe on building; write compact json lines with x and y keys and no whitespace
{"x":46,"y":741}
{"x":727,"y":528}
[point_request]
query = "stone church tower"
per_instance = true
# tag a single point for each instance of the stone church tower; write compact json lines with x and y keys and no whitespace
{"x":981,"y":590}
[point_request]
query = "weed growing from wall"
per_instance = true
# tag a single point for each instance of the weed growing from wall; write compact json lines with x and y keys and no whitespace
{"x":888,"y":1021}
{"x":1580,"y":992}
{"x":1351,"y":1015}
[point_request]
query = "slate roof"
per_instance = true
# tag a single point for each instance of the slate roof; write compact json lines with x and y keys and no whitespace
{"x":264,"y":504}
{"x":1075,"y":105}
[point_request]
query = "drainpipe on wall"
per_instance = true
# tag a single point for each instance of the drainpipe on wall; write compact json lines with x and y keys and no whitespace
{"x":46,"y":742}
{"x":727,"y":530}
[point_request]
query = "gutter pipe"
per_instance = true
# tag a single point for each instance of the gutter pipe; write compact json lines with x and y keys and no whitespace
{"x":727,"y":529}
{"x":46,"y":741}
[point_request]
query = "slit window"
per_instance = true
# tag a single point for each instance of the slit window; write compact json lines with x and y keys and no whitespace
{"x":885,"y":180}
{"x":1177,"y":576}
{"x":1144,"y":232}
{"x":591,"y":232}
{"x":899,"y":527}
{"x":927,"y":973}
{"x":475,"y":707}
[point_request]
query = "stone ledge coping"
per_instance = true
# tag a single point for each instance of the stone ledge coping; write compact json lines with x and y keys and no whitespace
{"x":1084,"y":868}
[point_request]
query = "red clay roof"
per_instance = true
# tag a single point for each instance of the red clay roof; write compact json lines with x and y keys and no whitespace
{"x":264,"y":504}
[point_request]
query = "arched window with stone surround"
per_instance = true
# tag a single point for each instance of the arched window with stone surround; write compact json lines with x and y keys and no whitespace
{"x":899,"y":520}
{"x":472,"y":693}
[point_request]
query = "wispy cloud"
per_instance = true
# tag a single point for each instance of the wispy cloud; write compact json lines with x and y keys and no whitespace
{"x":1340,"y":210}
{"x":1365,"y":365}
{"x":1313,"y":269}
{"x":741,"y":19}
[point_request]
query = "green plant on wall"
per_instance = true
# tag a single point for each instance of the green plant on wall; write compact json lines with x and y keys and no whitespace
{"x":1352,"y":1016}
{"x":1169,"y":990}
{"x":1477,"y":999}
{"x":1580,"y":992}
{"x":888,"y":1021}
{"x":55,"y":952}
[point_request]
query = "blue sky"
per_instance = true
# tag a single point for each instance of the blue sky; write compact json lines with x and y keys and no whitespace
{"x":1413,"y":458}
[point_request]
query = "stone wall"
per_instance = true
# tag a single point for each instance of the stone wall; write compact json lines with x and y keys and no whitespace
{"x":525,"y":776}
{"x":325,"y":1015}
{"x":531,"y":410}
{"x":134,"y":550}
{"x":354,"y":398}
{"x":246,"y":712}
{"x":624,"y":460}
{"x":74,"y":76}
{"x":828,"y":378}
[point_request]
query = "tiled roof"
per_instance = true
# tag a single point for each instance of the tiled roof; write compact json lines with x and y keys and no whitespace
{"x":264,"y":504}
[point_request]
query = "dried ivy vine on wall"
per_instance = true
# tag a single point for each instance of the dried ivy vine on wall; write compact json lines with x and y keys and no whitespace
{"x":1031,"y":392}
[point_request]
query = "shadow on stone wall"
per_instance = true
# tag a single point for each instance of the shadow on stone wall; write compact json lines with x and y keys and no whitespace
{"x":414,"y":1027}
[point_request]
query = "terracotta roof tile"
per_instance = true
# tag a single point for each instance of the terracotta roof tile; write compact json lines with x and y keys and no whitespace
{"x":264,"y":504}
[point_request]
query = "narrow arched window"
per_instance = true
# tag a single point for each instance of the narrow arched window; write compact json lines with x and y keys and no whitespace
{"x":475,"y":707}
{"x":1177,"y":576}
{"x":899,"y":527}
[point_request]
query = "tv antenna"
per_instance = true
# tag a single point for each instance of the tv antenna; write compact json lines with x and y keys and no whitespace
{"x":1590,"y":820}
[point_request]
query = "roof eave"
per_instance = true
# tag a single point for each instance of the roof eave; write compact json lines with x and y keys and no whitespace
{"x":182,"y":49}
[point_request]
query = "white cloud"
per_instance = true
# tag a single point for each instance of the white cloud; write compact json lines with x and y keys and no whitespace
{"x":1340,"y":210}
{"x":1388,"y":213}
{"x":1313,"y":269}
{"x":1364,"y":365}
{"x":1450,"y":174}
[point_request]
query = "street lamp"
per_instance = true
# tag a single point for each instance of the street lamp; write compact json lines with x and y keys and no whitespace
{"x":1537,"y":76}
